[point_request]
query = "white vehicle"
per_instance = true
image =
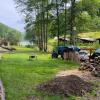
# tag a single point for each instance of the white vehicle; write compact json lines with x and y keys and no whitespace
{"x":84,"y":55}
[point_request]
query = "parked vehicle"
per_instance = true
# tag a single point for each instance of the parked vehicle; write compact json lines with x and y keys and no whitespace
{"x":95,"y":54}
{"x":61,"y":49}
{"x":83,"y":55}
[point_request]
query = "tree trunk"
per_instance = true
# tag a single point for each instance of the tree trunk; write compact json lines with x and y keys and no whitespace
{"x":47,"y":28}
{"x":65,"y":26}
{"x":72,"y":23}
{"x":58,"y":28}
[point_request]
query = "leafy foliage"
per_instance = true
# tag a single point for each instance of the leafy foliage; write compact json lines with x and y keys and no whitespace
{"x":11,"y":35}
{"x":59,"y":17}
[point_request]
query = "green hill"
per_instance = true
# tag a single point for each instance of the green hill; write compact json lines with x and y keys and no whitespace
{"x":4,"y":29}
{"x":11,"y":35}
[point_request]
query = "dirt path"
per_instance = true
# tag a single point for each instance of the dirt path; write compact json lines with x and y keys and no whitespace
{"x":2,"y":94}
{"x":87,"y":77}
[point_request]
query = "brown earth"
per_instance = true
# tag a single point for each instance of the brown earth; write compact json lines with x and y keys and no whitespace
{"x":66,"y":85}
{"x":85,"y":75}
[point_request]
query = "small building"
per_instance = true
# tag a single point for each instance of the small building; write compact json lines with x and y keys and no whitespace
{"x":62,"y":39}
{"x":87,"y":40}
{"x":24,"y":43}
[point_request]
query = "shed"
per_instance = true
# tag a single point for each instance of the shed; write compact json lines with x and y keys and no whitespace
{"x":87,"y":40}
{"x":62,"y":39}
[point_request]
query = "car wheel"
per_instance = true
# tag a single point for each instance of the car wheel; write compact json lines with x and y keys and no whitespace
{"x":54,"y":55}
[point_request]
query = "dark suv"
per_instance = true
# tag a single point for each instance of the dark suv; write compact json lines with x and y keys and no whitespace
{"x":61,"y":49}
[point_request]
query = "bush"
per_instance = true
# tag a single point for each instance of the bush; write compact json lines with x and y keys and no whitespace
{"x":29,"y":46}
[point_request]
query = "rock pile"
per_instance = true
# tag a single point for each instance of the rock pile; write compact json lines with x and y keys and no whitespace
{"x":93,"y":66}
{"x":66,"y":85}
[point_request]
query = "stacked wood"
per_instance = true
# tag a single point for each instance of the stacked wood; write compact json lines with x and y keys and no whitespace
{"x":86,"y":66}
{"x":93,"y":66}
{"x":77,"y":57}
{"x":72,"y":56}
{"x":66,"y":56}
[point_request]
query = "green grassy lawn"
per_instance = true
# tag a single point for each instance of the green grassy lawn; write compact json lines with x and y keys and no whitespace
{"x":24,"y":49}
{"x":20,"y":76}
{"x":90,"y":35}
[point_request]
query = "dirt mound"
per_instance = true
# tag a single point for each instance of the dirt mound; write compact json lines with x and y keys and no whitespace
{"x":66,"y":85}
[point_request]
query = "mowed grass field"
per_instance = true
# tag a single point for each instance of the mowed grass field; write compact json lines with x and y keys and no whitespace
{"x":20,"y":76}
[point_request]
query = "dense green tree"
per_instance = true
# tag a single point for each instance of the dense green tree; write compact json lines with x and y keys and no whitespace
{"x":59,"y":17}
{"x":9,"y":34}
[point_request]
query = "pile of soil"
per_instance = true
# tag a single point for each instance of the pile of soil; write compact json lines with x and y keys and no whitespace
{"x":66,"y":85}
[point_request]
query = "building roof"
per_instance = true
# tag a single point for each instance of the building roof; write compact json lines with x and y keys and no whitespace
{"x":62,"y":39}
{"x":98,"y":38}
{"x":88,"y":39}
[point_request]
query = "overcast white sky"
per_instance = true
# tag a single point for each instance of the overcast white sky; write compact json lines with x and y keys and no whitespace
{"x":10,"y":16}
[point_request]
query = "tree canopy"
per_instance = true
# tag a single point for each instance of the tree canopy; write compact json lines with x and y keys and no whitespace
{"x":49,"y":18}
